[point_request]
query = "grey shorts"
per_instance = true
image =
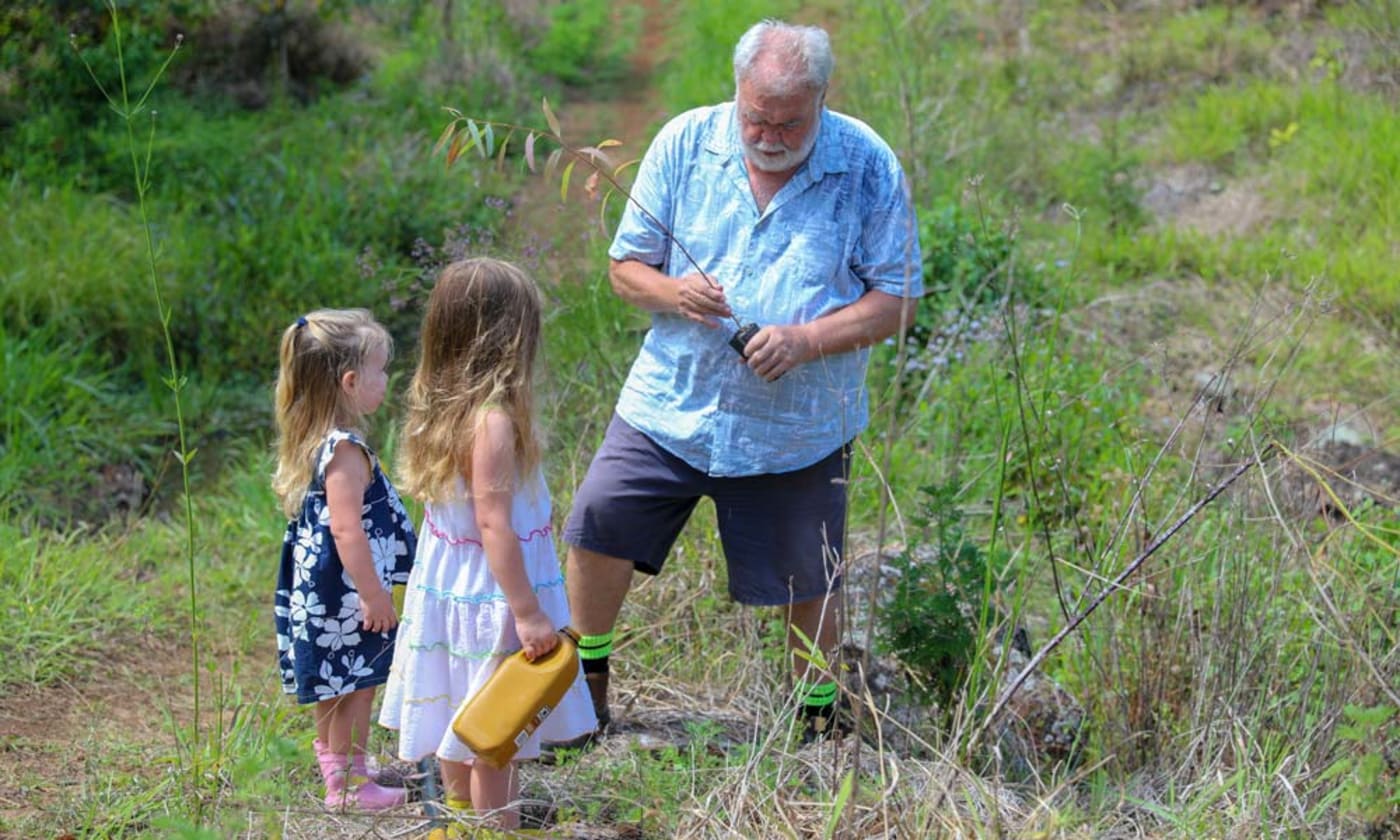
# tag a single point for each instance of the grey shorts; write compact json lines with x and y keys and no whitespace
{"x":781,"y":532}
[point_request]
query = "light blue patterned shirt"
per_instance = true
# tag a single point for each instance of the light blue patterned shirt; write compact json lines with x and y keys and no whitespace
{"x":842,"y":226}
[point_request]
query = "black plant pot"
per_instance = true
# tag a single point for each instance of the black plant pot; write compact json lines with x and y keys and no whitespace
{"x":740,"y":339}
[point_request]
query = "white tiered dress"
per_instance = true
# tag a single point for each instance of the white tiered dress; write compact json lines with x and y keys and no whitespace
{"x":456,"y":628}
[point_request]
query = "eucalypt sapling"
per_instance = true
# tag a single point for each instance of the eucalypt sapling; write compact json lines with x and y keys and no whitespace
{"x":465,"y":134}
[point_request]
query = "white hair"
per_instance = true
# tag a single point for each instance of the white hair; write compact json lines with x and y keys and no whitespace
{"x":804,"y":53}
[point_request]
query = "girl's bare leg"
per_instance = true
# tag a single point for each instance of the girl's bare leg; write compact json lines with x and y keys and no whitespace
{"x":494,"y":790}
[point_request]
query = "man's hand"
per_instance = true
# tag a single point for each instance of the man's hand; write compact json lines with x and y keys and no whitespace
{"x":775,"y":350}
{"x":701,"y":300}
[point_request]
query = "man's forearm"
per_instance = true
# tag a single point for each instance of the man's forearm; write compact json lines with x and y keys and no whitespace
{"x":874,"y":317}
{"x":644,"y":286}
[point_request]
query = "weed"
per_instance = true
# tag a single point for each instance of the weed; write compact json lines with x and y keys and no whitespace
{"x":1368,"y":778}
{"x":965,"y":284}
{"x":130,"y":110}
{"x":934,"y":620}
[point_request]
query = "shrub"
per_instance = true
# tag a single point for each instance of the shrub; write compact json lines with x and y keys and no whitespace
{"x":586,"y":42}
{"x":932,"y":621}
{"x":965,"y":269}
{"x":252,"y":52}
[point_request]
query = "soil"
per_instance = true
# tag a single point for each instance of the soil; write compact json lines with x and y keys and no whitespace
{"x":51,"y":735}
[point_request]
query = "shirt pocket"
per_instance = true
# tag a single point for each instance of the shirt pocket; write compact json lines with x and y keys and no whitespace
{"x":809,"y":275}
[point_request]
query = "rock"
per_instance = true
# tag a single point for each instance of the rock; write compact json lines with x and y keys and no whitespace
{"x":1356,"y":474}
{"x":1041,"y":729}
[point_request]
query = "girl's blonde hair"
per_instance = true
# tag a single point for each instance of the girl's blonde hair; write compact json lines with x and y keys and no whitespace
{"x":481,"y":333}
{"x":316,"y":352}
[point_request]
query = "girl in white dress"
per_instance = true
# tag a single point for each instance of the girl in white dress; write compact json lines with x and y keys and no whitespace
{"x":486,"y":580}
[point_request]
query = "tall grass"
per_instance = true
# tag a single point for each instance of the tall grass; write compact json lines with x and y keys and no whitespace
{"x":69,"y":430}
{"x":65,"y":254}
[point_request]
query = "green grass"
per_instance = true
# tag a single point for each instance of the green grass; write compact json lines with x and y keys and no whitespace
{"x":68,"y":427}
{"x":1059,"y":430}
{"x":71,"y":259}
{"x":695,"y":70}
{"x":62,"y":596}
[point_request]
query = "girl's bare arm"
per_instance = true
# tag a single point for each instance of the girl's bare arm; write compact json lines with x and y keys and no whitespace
{"x":347,"y":476}
{"x":494,"y":480}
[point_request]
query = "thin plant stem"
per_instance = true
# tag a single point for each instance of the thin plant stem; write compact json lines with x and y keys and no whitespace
{"x":1115,"y":585}
{"x":141,"y":177}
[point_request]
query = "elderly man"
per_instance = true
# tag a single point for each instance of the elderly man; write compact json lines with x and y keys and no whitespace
{"x":774,"y":210}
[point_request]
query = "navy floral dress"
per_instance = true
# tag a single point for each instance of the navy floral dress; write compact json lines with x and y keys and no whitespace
{"x":322,"y":647}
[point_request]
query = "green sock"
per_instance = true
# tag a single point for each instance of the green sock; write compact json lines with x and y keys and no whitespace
{"x":593,"y":652}
{"x":817,"y":698}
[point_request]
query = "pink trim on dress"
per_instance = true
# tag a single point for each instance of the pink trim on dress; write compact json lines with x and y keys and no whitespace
{"x":451,"y":540}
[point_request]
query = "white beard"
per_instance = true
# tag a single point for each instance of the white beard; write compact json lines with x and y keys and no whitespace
{"x":762,"y":156}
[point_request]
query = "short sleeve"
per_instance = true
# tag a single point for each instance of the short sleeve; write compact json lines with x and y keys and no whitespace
{"x":323,"y":460}
{"x":888,"y":257}
{"x":643,"y":233}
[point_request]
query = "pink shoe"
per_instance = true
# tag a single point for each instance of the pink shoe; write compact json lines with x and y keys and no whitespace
{"x":366,"y":796}
{"x":383,"y":776}
{"x":370,"y":795}
{"x":348,"y":786}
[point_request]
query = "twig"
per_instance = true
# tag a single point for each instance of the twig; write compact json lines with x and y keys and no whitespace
{"x":465,"y":133}
{"x":1113,"y":586}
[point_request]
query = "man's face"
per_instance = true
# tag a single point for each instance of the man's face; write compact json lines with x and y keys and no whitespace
{"x":777,"y":132}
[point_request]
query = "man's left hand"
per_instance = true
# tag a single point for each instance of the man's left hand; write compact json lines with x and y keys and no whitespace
{"x":775,"y":350}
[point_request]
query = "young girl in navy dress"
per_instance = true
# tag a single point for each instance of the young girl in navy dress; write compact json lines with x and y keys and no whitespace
{"x":486,"y":581}
{"x":348,"y":542}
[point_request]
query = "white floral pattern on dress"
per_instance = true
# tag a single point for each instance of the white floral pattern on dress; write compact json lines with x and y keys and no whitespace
{"x":322,"y":648}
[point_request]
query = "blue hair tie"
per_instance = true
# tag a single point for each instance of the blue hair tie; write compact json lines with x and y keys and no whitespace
{"x":301,"y":322}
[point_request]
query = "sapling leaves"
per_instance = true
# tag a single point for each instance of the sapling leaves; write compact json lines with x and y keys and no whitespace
{"x":449,"y":131}
{"x":552,"y":120}
{"x":480,"y":134}
{"x":477,"y":140}
{"x":454,"y":150}
{"x":501,"y":152}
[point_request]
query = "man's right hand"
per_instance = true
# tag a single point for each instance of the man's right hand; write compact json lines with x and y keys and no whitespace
{"x":700,"y":299}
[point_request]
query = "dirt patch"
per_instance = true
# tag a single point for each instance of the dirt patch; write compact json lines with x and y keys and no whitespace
{"x":50,"y":735}
{"x":1194,"y":197}
{"x":1215,"y":358}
